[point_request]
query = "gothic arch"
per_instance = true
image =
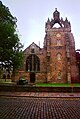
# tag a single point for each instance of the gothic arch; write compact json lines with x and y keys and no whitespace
{"x":58,"y":42}
{"x":33,"y":63}
{"x":58,"y":56}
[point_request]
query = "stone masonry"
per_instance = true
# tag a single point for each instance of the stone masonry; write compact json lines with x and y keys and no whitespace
{"x":56,"y":61}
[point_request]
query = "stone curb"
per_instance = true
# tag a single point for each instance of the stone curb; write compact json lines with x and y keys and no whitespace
{"x":39,"y":96}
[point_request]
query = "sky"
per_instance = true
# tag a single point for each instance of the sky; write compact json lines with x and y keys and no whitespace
{"x":32,"y":14}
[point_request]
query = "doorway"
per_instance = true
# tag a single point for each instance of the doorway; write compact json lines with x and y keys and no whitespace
{"x":32,"y":77}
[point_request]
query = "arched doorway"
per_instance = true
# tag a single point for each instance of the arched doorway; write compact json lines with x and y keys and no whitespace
{"x":32,"y":77}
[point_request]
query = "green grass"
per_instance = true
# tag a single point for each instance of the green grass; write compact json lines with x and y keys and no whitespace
{"x":56,"y":85}
{"x":8,"y":81}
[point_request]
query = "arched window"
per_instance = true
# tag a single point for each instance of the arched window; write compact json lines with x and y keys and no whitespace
{"x":32,"y":49}
{"x":58,"y":42}
{"x":58,"y":56}
{"x":32,"y":63}
{"x":59,"y":75}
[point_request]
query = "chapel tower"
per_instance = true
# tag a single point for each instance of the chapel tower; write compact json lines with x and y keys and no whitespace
{"x":60,"y":50}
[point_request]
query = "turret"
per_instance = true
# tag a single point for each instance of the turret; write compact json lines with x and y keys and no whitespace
{"x":67,"y":23}
{"x":48,"y":24}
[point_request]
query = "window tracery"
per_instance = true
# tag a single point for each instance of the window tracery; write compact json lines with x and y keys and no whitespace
{"x":32,"y":63}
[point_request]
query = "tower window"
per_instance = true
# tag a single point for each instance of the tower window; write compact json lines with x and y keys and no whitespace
{"x":32,"y":50}
{"x":59,"y":56}
{"x":58,"y":42}
{"x":59,"y":75}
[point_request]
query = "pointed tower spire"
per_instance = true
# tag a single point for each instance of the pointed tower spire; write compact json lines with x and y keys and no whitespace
{"x":48,"y":20}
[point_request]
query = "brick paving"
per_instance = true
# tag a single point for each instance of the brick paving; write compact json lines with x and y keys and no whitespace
{"x":39,"y":108}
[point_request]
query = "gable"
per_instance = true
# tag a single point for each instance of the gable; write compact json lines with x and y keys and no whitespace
{"x":31,"y":47}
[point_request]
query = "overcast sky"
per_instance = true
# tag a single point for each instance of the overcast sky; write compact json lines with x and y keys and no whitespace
{"x":32,"y":15}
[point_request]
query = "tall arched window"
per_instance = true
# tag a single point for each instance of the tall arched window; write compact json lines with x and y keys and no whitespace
{"x":32,"y":63}
{"x":59,"y":75}
{"x":58,"y":42}
{"x":58,"y":56}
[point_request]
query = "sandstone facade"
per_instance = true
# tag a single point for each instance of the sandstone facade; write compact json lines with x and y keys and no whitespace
{"x":56,"y":61}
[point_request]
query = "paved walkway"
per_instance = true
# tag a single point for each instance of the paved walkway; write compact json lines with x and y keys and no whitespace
{"x":39,"y":94}
{"x":39,"y":105}
{"x":39,"y":108}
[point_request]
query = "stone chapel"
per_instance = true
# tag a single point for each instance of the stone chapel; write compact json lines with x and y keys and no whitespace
{"x":56,"y":62}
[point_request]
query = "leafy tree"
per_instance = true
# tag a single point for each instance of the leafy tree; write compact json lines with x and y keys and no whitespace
{"x":11,"y":55}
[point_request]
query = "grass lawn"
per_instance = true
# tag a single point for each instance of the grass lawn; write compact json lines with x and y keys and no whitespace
{"x":56,"y":85}
{"x":8,"y":81}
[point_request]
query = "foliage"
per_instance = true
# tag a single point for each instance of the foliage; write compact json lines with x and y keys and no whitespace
{"x":10,"y":47}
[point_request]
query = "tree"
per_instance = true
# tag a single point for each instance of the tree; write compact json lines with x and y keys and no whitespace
{"x":11,"y":55}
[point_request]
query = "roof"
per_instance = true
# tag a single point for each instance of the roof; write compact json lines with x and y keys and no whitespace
{"x":31,"y":45}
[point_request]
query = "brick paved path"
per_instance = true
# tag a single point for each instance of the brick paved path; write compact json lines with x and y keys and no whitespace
{"x":39,"y":108}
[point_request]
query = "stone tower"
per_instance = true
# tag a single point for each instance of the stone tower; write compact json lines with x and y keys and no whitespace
{"x":59,"y":46}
